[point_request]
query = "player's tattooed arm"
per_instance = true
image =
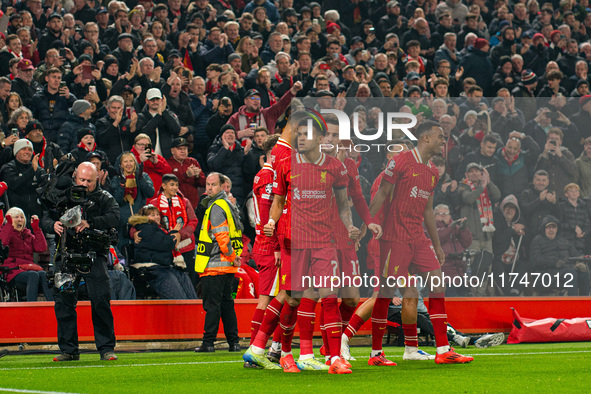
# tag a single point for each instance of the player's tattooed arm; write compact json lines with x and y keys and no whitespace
{"x":274,"y":214}
{"x":378,"y":200}
{"x":429,"y":217}
{"x":345,"y":212}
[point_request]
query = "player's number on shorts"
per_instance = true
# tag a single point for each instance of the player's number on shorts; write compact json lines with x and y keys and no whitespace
{"x":335,"y":268}
{"x":355,"y":264}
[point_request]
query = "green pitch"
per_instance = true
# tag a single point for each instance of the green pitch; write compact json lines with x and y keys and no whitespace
{"x":506,"y":368}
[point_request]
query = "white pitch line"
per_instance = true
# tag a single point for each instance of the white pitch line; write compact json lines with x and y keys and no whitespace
{"x":32,"y":391}
{"x":111,"y":365}
{"x":116,"y":365}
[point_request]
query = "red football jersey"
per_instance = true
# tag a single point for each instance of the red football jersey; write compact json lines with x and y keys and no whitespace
{"x":312,"y":187}
{"x":414,"y":183}
{"x":283,"y":151}
{"x":341,"y":234}
{"x":263,"y":198}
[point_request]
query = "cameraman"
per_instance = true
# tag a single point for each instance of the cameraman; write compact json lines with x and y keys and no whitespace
{"x":100,"y":212}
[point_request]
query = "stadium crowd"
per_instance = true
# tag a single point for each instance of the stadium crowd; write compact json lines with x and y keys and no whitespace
{"x":144,"y":89}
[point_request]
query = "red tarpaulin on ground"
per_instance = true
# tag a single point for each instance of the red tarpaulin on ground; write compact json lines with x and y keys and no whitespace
{"x":550,"y":329}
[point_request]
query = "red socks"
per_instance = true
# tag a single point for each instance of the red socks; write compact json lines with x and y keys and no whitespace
{"x":268,"y":324}
{"x":323,"y":331}
{"x":288,"y":319}
{"x":438,"y":318}
{"x":346,"y":313}
{"x":255,"y":324}
{"x":306,"y":317}
{"x":411,"y":337}
{"x":332,"y":323}
{"x":354,"y":325}
{"x":379,"y":320}
{"x":277,"y":334}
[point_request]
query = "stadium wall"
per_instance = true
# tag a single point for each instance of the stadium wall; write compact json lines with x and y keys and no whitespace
{"x":34,"y":322}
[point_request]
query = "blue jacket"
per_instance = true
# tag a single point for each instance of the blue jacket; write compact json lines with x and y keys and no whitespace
{"x":156,"y":246}
{"x":272,"y":12}
{"x":67,"y":137}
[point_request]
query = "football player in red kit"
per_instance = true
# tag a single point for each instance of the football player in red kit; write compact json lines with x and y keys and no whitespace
{"x":312,"y":178}
{"x":346,"y":251}
{"x":406,"y":193}
{"x":266,"y":252}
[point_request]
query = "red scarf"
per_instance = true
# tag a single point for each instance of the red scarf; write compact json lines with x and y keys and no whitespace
{"x":484,"y":208}
{"x":42,"y":154}
{"x":211,"y":88}
{"x":272,"y":98}
{"x":172,"y":212}
{"x":508,"y":159}
{"x":17,"y":55}
{"x":280,"y":80}
{"x":83,"y":146}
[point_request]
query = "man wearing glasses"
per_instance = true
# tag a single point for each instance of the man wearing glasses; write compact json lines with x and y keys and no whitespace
{"x":91,"y":34}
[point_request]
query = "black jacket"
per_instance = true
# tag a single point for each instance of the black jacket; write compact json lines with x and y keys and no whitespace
{"x":102,"y":214}
{"x":534,"y":211}
{"x":52,"y":151}
{"x":25,"y":90}
{"x":67,"y":137}
{"x":477,"y":64}
{"x":113,"y":140}
{"x":51,"y":120}
{"x":237,"y":166}
{"x":155,"y":247}
{"x":546,"y":253}
{"x":22,"y":182}
{"x":168,"y":128}
{"x":571,"y":217}
{"x":182,"y":110}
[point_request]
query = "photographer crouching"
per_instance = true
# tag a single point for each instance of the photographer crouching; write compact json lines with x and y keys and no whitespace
{"x":83,"y":219}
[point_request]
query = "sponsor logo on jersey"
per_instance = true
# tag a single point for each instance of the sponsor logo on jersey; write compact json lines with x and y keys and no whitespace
{"x":296,"y":193}
{"x":416,"y":192}
{"x":313,"y":194}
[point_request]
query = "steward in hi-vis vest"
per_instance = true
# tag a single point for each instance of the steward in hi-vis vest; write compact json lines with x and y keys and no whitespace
{"x":218,"y":256}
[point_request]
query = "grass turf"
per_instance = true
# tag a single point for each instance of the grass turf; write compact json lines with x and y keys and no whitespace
{"x":505,"y":368}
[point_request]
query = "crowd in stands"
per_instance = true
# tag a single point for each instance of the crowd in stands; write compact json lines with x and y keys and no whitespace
{"x":145,"y":89}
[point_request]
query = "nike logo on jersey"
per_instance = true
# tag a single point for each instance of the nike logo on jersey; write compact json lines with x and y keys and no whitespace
{"x":413,"y":174}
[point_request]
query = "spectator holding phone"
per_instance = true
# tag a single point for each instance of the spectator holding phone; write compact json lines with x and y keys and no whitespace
{"x":536,"y":203}
{"x":22,"y":242}
{"x":558,"y":161}
{"x":51,"y":106}
{"x":154,"y":165}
